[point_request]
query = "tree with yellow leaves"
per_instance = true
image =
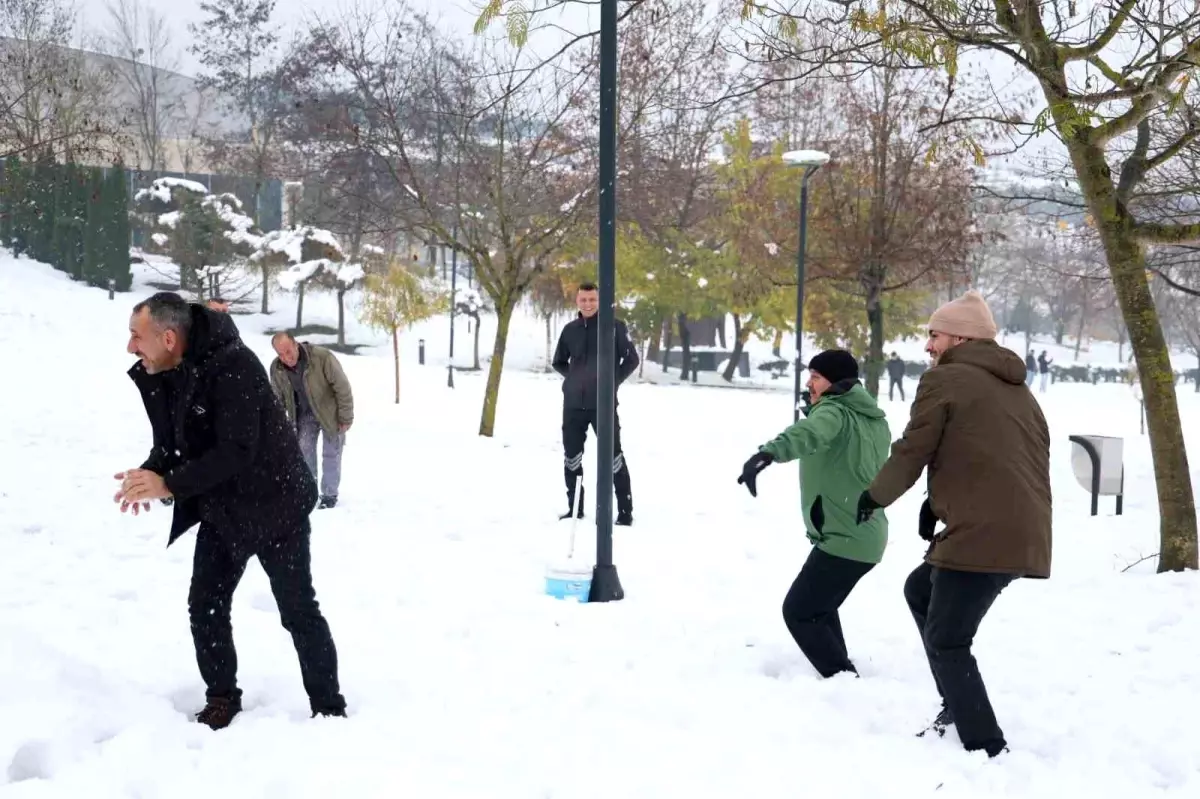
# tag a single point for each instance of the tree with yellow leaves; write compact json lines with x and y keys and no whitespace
{"x":401,"y":298}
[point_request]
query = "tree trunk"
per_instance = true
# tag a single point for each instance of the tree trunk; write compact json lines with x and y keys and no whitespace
{"x":777,"y":344}
{"x":685,"y":347}
{"x":1172,"y":476}
{"x":266,"y":289}
{"x":396,"y":359}
{"x":341,"y":297}
{"x":478,"y":326}
{"x":875,"y":348}
{"x":740,"y":337}
{"x":549,"y":343}
{"x":1127,"y":266}
{"x":654,"y":346}
{"x":491,"y":395}
{"x":300,"y":307}
{"x":1083,"y":310}
{"x":645,"y":354}
{"x":1120,"y":343}
{"x":670,"y":335}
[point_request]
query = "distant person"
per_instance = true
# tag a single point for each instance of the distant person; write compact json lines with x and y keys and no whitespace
{"x":575,"y":359}
{"x":217,"y":304}
{"x":1044,"y":362}
{"x":977,"y":429}
{"x":840,"y":445}
{"x":224,"y":456}
{"x":1031,"y":368}
{"x":895,"y":370}
{"x":316,"y":395}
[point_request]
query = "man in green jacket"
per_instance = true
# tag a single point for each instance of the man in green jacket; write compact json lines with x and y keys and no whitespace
{"x":314,"y":391}
{"x":841,"y":445}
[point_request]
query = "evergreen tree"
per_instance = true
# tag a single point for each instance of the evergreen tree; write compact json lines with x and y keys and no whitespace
{"x":115,"y":201}
{"x":70,"y":217}
{"x":93,"y":230}
{"x":6,"y":203}
{"x":41,"y":198}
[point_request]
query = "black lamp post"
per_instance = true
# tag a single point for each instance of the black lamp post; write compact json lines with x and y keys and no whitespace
{"x":810,"y":161}
{"x":606,"y":585}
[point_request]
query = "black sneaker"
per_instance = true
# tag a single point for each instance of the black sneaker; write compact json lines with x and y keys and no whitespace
{"x":327,"y":502}
{"x":939,"y":725}
{"x":339,"y":712}
{"x":571,"y":506}
{"x":624,"y":518}
{"x":219,"y":712}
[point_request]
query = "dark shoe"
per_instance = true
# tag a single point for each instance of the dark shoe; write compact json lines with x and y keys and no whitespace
{"x":624,"y":511}
{"x":939,"y":725}
{"x":329,"y":713}
{"x":327,"y":502}
{"x":571,"y":504}
{"x":219,"y":712}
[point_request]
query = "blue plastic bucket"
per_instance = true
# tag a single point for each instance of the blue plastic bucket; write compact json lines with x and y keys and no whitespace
{"x":569,"y":582}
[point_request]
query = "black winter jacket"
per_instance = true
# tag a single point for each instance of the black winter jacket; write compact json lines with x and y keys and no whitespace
{"x":222,"y":441}
{"x":576,"y":359}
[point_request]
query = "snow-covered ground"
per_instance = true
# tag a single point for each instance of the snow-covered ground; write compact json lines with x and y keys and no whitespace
{"x":464,"y":680}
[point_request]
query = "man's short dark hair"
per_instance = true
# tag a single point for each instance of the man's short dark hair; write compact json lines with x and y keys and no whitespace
{"x":588,"y":287}
{"x":169,"y":311}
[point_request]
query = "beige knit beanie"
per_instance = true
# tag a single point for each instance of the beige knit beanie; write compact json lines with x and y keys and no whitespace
{"x":966,"y":317}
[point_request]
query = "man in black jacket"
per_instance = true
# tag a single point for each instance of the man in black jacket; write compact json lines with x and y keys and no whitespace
{"x":576,"y":360}
{"x":225,"y":456}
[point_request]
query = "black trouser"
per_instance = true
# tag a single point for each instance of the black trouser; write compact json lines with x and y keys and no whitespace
{"x":216,"y":573}
{"x":810,"y":609}
{"x":574,"y":433}
{"x":893,"y":384}
{"x":948,"y":607}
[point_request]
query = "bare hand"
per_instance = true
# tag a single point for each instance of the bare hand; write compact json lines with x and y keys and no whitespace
{"x":343,"y":428}
{"x":138,"y":487}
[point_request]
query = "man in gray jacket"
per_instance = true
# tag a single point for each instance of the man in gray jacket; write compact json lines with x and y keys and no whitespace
{"x":314,"y":391}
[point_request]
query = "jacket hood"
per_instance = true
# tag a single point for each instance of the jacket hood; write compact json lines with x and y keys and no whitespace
{"x":851,"y":395}
{"x":999,"y":361}
{"x":210,"y":332}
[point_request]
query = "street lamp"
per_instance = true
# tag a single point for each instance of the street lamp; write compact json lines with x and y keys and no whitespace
{"x":810,"y":161}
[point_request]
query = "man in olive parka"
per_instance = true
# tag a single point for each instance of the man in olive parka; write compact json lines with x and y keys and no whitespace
{"x":841,"y":445}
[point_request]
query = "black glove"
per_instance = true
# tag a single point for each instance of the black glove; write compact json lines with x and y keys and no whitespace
{"x":866,"y":507}
{"x":760,"y":461}
{"x":927,"y":522}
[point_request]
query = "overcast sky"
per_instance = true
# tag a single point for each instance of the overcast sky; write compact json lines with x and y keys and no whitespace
{"x":454,"y":15}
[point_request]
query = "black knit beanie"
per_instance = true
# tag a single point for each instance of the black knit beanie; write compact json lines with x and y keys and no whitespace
{"x":834,"y":365}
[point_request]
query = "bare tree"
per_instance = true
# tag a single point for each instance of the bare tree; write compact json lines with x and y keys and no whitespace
{"x":138,"y":36}
{"x":517,"y":181}
{"x":52,"y":98}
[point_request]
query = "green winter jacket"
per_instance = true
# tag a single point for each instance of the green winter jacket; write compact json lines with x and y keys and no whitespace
{"x":841,"y":445}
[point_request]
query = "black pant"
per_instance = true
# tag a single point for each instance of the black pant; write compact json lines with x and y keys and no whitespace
{"x":893,"y":384}
{"x":948,"y":607}
{"x":287,"y":562}
{"x":810,"y":609}
{"x":574,"y":434}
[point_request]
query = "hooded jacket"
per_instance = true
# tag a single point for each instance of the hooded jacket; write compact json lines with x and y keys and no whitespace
{"x":980,"y":432}
{"x":222,"y":442}
{"x":840,"y":445}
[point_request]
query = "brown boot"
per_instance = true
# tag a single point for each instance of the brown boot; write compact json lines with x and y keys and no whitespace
{"x":219,"y":712}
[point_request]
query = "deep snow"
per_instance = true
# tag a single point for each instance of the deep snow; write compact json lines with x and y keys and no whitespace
{"x":465,"y":681}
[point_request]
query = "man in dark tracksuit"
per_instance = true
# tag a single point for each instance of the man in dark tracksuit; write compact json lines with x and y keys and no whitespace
{"x":226,"y":457}
{"x":895,"y":370}
{"x":576,"y":360}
